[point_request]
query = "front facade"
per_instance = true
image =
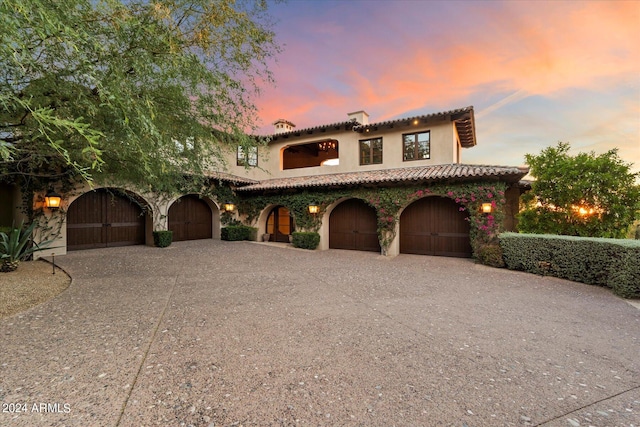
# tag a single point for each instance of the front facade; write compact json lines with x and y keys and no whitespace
{"x":393,"y":187}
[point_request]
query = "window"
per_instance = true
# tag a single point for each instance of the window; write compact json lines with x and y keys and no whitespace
{"x":371,"y":151}
{"x":247,"y":156}
{"x":416,"y":146}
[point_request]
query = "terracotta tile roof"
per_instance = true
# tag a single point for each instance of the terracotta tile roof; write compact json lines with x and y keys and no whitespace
{"x":401,"y":175}
{"x":463,"y":118}
{"x":223,"y":176}
{"x":348,"y":125}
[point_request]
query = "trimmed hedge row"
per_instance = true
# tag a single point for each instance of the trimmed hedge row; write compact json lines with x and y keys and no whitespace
{"x":305,"y":240}
{"x":614,"y":263}
{"x":238,"y":232}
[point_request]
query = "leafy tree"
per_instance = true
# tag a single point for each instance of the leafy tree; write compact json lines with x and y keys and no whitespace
{"x":127,"y":90}
{"x":582,"y":195}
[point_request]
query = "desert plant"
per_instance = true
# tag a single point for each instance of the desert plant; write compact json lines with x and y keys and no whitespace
{"x":14,"y":247}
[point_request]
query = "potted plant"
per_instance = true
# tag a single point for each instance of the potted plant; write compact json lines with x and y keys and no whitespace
{"x":266,"y":237}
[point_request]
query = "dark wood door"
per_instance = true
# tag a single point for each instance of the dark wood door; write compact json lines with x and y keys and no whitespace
{"x":435,"y":226}
{"x":353,"y":225}
{"x":190,"y":218}
{"x":280,"y":224}
{"x":100,"y":219}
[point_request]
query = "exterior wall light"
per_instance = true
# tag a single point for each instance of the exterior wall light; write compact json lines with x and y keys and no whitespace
{"x":229,"y":207}
{"x":52,"y":200}
{"x":486,"y":208}
{"x":314,"y":208}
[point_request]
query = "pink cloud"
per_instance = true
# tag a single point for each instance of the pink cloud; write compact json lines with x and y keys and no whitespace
{"x":513,"y":47}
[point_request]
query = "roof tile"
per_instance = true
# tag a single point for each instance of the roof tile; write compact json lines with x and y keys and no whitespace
{"x":421,"y":173}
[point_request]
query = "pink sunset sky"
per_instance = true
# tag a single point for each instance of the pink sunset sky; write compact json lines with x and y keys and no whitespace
{"x":536,"y":72}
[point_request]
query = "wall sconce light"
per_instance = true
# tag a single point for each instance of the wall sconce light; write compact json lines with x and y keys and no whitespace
{"x":229,"y":207}
{"x":314,"y":208}
{"x":52,"y":200}
{"x":486,"y":208}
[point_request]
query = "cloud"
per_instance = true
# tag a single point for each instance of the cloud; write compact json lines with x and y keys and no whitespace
{"x":394,"y":58}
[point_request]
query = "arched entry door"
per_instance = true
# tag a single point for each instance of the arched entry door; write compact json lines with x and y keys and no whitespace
{"x":100,"y":218}
{"x":353,"y":225}
{"x":435,"y":226}
{"x":190,"y":218}
{"x":279,"y":224}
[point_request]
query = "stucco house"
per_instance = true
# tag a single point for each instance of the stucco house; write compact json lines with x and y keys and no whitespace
{"x":396,"y":186}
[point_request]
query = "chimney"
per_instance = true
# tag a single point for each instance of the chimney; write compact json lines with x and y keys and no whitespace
{"x":282,"y":126}
{"x":359,"y":116}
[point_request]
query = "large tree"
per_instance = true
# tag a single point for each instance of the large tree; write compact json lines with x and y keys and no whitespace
{"x":127,"y":90}
{"x":583,"y":195}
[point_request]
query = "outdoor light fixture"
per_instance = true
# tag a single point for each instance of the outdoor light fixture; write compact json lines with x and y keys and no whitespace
{"x":487,"y":208}
{"x":229,"y":207}
{"x":314,"y":208}
{"x":52,"y":200}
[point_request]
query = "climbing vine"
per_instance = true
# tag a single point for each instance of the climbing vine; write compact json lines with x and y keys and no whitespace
{"x":388,"y":203}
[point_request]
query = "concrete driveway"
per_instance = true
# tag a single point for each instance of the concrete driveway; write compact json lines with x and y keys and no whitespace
{"x":211,"y":333}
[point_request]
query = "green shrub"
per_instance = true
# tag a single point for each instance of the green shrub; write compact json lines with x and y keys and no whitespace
{"x":18,"y":245}
{"x":490,"y":254}
{"x":236,"y":232}
{"x":162,"y":238}
{"x":595,"y":261}
{"x":305,"y":240}
{"x":253,"y":234}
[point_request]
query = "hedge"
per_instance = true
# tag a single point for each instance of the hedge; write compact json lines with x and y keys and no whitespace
{"x":305,"y":240}
{"x":162,"y":238}
{"x":613,"y":263}
{"x":238,"y":232}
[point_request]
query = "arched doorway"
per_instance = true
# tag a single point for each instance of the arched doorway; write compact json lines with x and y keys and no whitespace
{"x":280,"y":224}
{"x":354,"y":225}
{"x":190,"y":218}
{"x":435,"y":226}
{"x":102,"y":218}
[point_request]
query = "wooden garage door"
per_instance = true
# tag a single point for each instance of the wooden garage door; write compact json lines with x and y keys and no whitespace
{"x":99,"y":219}
{"x":434,"y":226}
{"x":190,"y":219}
{"x":353,"y":225}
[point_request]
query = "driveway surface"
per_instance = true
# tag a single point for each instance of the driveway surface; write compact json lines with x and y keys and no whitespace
{"x":211,"y":333}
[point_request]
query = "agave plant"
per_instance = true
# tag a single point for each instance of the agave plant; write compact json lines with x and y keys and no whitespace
{"x":14,"y":247}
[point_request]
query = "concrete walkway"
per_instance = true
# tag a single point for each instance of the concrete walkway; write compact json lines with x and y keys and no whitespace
{"x":211,"y":333}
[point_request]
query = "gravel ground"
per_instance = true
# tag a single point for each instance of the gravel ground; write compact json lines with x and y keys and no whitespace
{"x":210,"y":333}
{"x":31,"y":284}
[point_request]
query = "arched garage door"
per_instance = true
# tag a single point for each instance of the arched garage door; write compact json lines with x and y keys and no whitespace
{"x":353,"y":225}
{"x":99,"y":218}
{"x":190,"y":218}
{"x":434,"y":226}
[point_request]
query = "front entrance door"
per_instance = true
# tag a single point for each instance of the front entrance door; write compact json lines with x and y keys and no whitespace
{"x":280,"y":224}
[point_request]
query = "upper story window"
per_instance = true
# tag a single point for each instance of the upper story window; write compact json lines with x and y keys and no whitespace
{"x":371,"y":151}
{"x":247,"y":156}
{"x":416,"y":146}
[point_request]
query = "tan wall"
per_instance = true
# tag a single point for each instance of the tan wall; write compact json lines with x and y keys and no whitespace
{"x":443,"y":150}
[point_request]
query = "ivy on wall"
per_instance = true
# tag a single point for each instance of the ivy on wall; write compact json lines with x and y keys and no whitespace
{"x":388,"y":203}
